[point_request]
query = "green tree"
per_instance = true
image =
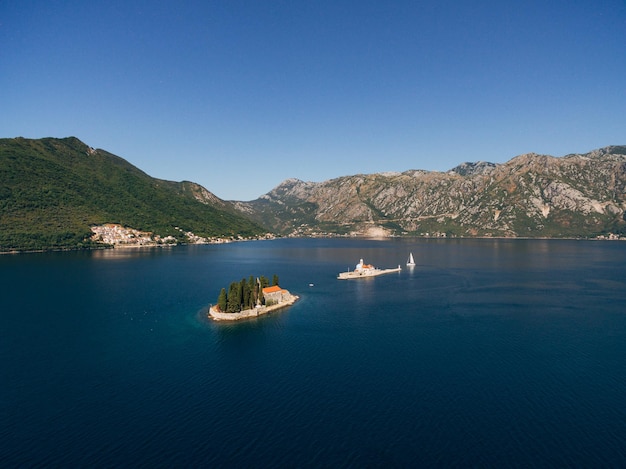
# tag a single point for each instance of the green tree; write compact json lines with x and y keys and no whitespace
{"x":253,"y":292}
{"x":275,"y":280}
{"x":221,"y":300}
{"x":233,"y":304}
{"x":245,"y":294}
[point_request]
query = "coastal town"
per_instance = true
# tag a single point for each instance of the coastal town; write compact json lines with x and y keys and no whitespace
{"x":118,"y":236}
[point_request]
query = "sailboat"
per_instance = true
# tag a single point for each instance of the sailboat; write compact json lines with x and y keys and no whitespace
{"x":410,"y":261}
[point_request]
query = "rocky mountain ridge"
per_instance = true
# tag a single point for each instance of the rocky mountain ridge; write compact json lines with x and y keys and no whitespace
{"x":531,"y":195}
{"x":54,"y":193}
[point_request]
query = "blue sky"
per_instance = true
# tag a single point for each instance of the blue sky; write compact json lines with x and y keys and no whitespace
{"x":240,"y":95}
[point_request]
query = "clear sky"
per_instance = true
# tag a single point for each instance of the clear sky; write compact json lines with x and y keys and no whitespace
{"x":239,"y":95}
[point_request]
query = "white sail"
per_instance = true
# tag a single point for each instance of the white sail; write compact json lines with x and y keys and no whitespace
{"x":410,"y":261}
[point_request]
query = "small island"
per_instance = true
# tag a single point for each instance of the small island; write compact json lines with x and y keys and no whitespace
{"x":250,"y":298}
{"x":363,"y":270}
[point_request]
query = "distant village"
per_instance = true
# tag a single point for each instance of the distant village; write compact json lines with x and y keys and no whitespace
{"x":119,"y":236}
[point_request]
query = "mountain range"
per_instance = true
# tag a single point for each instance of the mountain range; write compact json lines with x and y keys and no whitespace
{"x":54,"y":191}
{"x":578,"y":195}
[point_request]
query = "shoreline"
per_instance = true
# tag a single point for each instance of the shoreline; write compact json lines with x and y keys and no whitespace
{"x":250,"y":313}
{"x":117,"y":246}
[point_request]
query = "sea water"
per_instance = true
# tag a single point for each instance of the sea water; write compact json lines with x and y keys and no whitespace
{"x":486,"y":353}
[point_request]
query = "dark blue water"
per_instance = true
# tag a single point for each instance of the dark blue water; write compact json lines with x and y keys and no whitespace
{"x":487,"y":353}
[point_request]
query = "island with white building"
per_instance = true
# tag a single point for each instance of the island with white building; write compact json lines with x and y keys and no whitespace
{"x":363,"y":270}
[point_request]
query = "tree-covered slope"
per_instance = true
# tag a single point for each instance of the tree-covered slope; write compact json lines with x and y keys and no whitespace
{"x":53,"y":190}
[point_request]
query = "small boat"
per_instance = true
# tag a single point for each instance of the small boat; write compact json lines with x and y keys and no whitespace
{"x":410,"y":261}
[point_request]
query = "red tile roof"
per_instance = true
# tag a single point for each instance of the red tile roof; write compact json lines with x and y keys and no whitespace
{"x":272,"y":289}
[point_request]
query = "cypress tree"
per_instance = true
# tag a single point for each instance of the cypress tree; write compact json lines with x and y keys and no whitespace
{"x":257,"y":298}
{"x":251,"y":289}
{"x":275,"y":280}
{"x":233,"y":304}
{"x":221,"y":300}
{"x":245,"y":294}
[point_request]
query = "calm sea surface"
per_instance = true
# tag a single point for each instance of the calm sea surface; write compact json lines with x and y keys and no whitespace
{"x":487,"y":353}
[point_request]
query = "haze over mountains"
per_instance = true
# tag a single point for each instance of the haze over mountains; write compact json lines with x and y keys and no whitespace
{"x":52,"y":191}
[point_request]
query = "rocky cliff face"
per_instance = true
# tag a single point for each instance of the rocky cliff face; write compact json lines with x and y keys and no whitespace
{"x":530,"y":195}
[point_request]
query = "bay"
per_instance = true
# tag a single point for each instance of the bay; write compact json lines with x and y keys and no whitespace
{"x":487,"y":353}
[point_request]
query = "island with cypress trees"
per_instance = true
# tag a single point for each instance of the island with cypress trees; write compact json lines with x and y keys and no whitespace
{"x":250,"y":297}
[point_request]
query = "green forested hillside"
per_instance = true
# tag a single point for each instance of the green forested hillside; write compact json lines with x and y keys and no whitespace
{"x":53,"y":190}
